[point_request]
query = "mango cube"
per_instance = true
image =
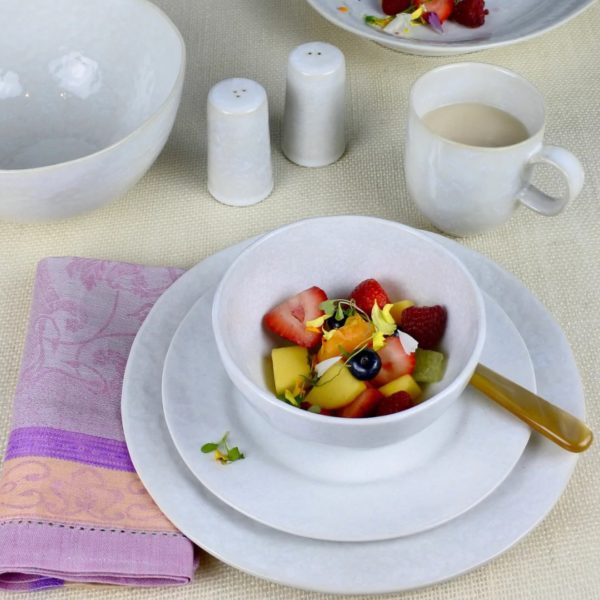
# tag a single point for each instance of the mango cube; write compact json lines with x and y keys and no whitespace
{"x":336,"y":388}
{"x":402,"y":384}
{"x":398,"y":308}
{"x":290,"y":366}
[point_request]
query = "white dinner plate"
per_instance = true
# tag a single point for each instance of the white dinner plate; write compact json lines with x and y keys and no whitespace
{"x":469,"y":541}
{"x":378,"y":493}
{"x":508,"y":22}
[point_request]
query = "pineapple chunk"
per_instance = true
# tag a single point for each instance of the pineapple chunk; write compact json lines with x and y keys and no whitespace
{"x":336,"y":388}
{"x":403,"y":384}
{"x":290,"y":366}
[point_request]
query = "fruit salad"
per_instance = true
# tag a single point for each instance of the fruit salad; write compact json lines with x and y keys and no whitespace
{"x":361,"y":356}
{"x":401,"y":15}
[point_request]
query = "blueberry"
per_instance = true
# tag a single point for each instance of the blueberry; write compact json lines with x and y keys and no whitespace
{"x":333,"y":323}
{"x":365,"y":364}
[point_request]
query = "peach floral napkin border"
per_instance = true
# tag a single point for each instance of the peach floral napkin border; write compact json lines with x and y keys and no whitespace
{"x":72,"y":508}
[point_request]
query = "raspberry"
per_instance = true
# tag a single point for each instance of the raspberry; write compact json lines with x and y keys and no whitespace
{"x":395,"y":403}
{"x":393,"y":7}
{"x":425,"y":323}
{"x":470,"y":13}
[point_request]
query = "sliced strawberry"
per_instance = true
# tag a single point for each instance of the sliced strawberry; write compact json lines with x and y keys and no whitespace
{"x":289,"y":318}
{"x":442,"y":8}
{"x":395,"y":403}
{"x":426,"y":324}
{"x":367,"y":292}
{"x":470,"y":13}
{"x":395,"y":362}
{"x":393,"y":7}
{"x":364,"y":405}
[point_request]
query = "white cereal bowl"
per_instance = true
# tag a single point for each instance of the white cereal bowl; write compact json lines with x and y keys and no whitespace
{"x":89,"y":91}
{"x":336,"y":253}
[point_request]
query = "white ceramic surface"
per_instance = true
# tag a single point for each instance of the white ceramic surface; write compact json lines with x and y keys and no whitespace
{"x":465,"y":543}
{"x":313,"y":132}
{"x":324,"y":252}
{"x":509,"y":21}
{"x":417,"y":484}
{"x":88,"y":96}
{"x":465,"y":189}
{"x":239,"y":145}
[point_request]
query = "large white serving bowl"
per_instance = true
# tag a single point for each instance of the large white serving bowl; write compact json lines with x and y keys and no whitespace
{"x":89,"y":90}
{"x":336,"y":253}
{"x":508,"y":22}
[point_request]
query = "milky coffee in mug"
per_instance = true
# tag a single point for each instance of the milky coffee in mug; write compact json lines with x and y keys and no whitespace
{"x":474,"y":133}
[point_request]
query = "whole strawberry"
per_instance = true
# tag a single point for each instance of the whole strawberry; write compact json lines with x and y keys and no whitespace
{"x":367,"y":292}
{"x":470,"y":13}
{"x":426,"y":324}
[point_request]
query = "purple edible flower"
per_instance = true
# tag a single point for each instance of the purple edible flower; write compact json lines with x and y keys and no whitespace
{"x":434,"y":21}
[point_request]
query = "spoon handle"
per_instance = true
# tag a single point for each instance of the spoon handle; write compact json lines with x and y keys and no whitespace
{"x":548,"y":419}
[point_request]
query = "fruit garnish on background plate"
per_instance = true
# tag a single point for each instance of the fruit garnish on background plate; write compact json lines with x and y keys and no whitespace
{"x":401,"y":15}
{"x":360,"y":356}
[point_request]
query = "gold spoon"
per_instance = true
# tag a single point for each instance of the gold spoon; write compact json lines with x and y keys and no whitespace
{"x":548,"y":419}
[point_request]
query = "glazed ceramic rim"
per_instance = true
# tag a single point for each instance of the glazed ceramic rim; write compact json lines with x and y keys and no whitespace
{"x":236,"y":373}
{"x":175,"y":89}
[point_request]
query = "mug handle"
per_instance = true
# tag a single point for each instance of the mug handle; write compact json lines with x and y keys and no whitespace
{"x":570,"y":168}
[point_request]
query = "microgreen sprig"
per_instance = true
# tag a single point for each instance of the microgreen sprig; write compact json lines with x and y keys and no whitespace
{"x":378,"y":21}
{"x":223,"y":453}
{"x":340,"y":309}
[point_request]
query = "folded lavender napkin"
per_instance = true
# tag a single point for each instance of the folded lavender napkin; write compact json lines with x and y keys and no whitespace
{"x":72,"y":508}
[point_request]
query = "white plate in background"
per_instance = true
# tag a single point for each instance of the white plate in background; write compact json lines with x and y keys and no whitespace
{"x":508,"y":22}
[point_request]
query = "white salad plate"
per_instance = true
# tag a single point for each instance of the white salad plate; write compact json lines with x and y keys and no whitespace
{"x":378,"y":493}
{"x":508,"y":22}
{"x":456,"y":547}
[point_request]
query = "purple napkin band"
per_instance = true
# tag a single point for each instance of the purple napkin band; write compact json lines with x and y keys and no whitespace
{"x":68,"y":445}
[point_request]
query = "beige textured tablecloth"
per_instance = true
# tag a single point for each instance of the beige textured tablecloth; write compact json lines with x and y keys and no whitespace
{"x":170,"y":219}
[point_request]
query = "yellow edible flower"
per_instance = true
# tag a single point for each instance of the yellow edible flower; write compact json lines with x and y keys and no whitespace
{"x":417,"y":14}
{"x":384,"y":324}
{"x":316,"y":324}
{"x":378,"y":340}
{"x":382,"y":319}
{"x":386,"y":311}
{"x":220,"y":457}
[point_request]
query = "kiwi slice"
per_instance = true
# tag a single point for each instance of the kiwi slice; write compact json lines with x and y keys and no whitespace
{"x":429,"y":366}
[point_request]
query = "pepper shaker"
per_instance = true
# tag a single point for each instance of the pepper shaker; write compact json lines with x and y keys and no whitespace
{"x":239,"y":148}
{"x":314,"y":116}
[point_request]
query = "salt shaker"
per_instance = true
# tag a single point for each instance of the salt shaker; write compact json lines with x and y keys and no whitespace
{"x":314,"y":115}
{"x":239,"y":148}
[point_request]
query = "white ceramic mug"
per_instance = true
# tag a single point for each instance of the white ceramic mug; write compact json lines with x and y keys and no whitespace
{"x":465,"y":189}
